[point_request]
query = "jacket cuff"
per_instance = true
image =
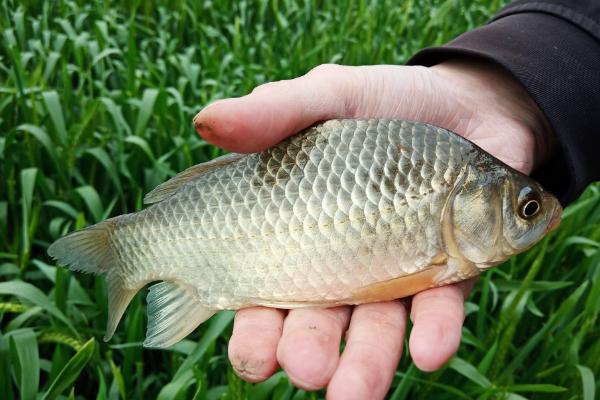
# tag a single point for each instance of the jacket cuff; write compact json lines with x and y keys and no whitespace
{"x":558,"y":63}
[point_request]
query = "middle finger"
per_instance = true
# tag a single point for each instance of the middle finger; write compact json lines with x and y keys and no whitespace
{"x":309,"y":348}
{"x":373,"y":349}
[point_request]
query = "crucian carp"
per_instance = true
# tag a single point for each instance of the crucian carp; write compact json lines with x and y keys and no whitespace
{"x":345,"y":212}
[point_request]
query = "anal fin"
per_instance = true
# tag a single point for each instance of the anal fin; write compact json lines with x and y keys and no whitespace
{"x":173,"y":313}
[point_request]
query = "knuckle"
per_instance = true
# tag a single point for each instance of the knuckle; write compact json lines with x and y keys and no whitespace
{"x":449,"y":293}
{"x":375,"y":367}
{"x":338,"y":317}
{"x":323,"y":331}
{"x":258,"y":319}
{"x":327,"y":69}
{"x":368,"y":381}
{"x":270,"y":86}
{"x":392,"y":317}
{"x":326,"y":323}
{"x":342,"y":83}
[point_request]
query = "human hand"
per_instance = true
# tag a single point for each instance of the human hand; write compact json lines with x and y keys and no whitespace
{"x":474,"y":99}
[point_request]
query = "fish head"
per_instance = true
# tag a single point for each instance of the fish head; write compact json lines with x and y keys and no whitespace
{"x":529,"y":212}
{"x":496,"y":212}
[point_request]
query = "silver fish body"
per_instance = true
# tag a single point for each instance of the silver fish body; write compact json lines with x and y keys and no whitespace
{"x":347,"y":212}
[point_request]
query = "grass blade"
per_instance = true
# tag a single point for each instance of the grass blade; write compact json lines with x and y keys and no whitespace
{"x":536,"y":388}
{"x":42,"y":137}
{"x":218,"y":323}
{"x":67,"y":376}
{"x":146,"y":109}
{"x":26,"y":362}
{"x":28,"y":177}
{"x":62,"y":206}
{"x":109,"y":166}
{"x":92,"y":201}
{"x":52,"y":102}
{"x":587,"y":382}
{"x":28,"y":292}
{"x":102,"y":94}
{"x":469,"y":371}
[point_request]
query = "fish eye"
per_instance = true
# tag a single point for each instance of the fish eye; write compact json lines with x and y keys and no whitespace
{"x":531,"y":208}
{"x":529,"y":203}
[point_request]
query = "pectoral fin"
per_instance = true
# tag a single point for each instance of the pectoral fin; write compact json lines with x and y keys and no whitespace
{"x":396,"y":288}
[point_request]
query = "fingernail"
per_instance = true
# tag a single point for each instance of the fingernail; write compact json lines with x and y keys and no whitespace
{"x":203,"y":129}
{"x":196,"y":118}
{"x":246,"y":373}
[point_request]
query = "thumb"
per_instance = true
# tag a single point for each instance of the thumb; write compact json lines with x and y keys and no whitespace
{"x":276,"y":110}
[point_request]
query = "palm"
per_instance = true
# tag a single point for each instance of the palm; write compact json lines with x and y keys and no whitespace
{"x":306,"y":342}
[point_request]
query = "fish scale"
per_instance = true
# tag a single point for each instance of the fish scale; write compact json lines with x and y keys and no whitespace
{"x":301,"y":224}
{"x":346,"y":212}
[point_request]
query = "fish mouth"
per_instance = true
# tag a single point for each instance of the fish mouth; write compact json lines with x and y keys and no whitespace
{"x":555,"y":221}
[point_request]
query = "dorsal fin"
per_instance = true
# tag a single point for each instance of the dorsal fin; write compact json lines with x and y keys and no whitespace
{"x":168,"y":188}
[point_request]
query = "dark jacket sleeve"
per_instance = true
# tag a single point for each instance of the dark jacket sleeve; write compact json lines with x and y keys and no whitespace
{"x":552,"y":48}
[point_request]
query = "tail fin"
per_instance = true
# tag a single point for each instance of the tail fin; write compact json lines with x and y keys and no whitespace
{"x":89,"y":250}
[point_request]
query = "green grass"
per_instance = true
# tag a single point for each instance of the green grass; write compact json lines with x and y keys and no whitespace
{"x":96,"y":101}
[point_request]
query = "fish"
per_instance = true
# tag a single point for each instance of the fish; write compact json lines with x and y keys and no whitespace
{"x":347,"y":211}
